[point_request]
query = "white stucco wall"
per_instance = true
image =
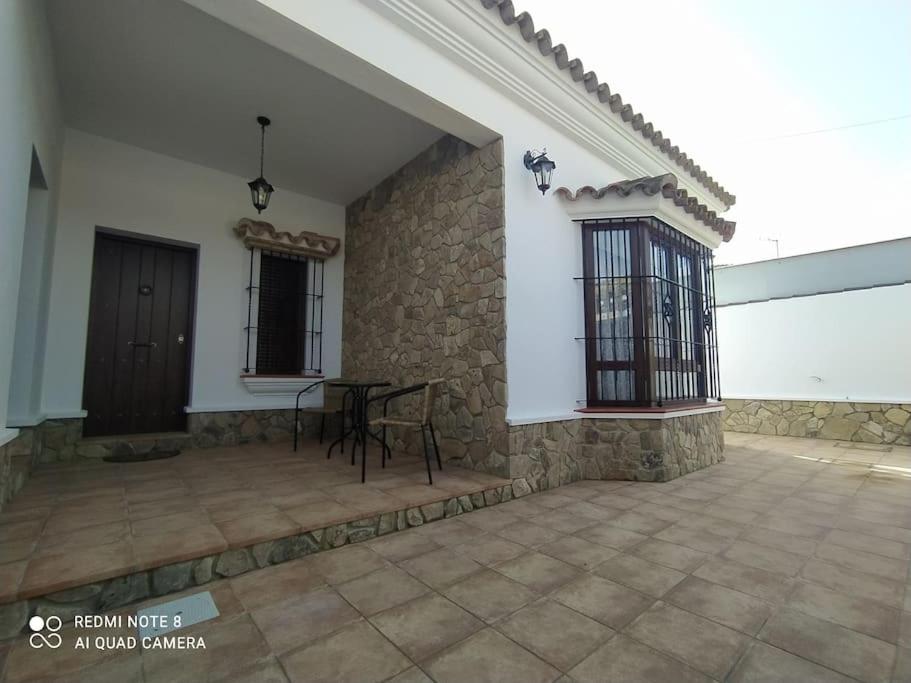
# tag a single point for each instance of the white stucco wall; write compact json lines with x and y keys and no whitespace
{"x":858,"y":344}
{"x":544,"y":311}
{"x":112,"y":185}
{"x":29,"y":117}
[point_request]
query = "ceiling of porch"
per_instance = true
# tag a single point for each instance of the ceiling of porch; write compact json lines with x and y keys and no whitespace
{"x":168,"y":78}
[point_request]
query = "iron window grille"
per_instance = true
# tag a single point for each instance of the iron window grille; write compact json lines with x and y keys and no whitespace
{"x":284,"y":314}
{"x":649,"y":298}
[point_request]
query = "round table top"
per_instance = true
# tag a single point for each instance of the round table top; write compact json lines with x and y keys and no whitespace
{"x":353,"y":383}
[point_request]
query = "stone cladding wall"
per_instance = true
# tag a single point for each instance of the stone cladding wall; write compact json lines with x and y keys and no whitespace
{"x":550,"y":454}
{"x":876,"y":423}
{"x":425,"y":294}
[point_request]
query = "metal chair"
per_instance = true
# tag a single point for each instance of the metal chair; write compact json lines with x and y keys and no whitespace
{"x":333,"y":404}
{"x":424,"y":421}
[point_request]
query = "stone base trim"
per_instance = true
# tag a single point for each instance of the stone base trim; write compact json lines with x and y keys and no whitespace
{"x":123,"y":590}
{"x":877,"y":423}
{"x":555,"y":453}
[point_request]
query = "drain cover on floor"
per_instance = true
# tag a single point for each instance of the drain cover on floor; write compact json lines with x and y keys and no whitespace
{"x":141,"y":457}
{"x":163,"y":618}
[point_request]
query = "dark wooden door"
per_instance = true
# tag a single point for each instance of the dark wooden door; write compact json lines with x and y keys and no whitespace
{"x":139,"y":337}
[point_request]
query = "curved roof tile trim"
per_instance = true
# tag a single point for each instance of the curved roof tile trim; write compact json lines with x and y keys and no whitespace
{"x":590,"y":81}
{"x":666,"y":185}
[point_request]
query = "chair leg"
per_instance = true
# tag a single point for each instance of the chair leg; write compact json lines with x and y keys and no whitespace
{"x":322,"y":427}
{"x":436,"y":449}
{"x":426,"y":455}
{"x":383,"y":447}
{"x":296,"y":427}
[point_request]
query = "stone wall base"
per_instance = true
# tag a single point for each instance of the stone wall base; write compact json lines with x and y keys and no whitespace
{"x":878,"y":423}
{"x":550,"y":454}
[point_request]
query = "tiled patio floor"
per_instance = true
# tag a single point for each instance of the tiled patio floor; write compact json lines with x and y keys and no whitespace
{"x":781,"y":564}
{"x":76,"y":524}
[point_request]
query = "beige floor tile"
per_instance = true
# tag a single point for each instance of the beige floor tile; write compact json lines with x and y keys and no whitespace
{"x":857,"y":614}
{"x":412,"y":675}
{"x":791,"y":525}
{"x":539,"y":572}
{"x":830,"y":645}
{"x":563,"y":522}
{"x":603,"y":600}
{"x":611,"y":536}
{"x":356,"y":654}
{"x":729,"y":607}
{"x":528,"y":534}
{"x":702,"y":644}
{"x":640,"y":523}
{"x":703,"y":541}
{"x":670,"y":555}
{"x":490,"y":550}
{"x":765,"y":558}
{"x":403,"y":545}
{"x":230,"y":646}
{"x":450,"y":532}
{"x":799,"y":545}
{"x":870,"y":544}
{"x":896,"y":570}
{"x":491,"y":519}
{"x":346,"y":563}
{"x":264,"y":671}
{"x":853,"y":583}
{"x":578,"y":552}
{"x":440,"y":568}
{"x":624,"y":660}
{"x":750,"y":580}
{"x":280,"y":582}
{"x":766,"y":664}
{"x":291,"y":623}
{"x":560,"y":636}
{"x":381,"y":590}
{"x":489,"y":656}
{"x":636,"y":572}
{"x":425,"y":626}
{"x":489,"y":595}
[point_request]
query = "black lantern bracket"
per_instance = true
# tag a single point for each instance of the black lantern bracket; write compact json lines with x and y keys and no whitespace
{"x":543,"y":168}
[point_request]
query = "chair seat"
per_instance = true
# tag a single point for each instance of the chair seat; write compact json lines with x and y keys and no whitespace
{"x":397,"y":421}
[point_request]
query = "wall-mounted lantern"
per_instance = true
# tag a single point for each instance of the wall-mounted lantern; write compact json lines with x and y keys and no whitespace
{"x":260,"y":189}
{"x":542,"y":167}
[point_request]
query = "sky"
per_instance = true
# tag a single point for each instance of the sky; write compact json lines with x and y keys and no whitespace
{"x":739,"y":84}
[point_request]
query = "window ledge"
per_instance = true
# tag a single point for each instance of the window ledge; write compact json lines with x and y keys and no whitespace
{"x":278,"y":385}
{"x":649,"y":413}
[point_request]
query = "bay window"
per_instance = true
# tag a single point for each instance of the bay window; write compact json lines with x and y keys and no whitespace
{"x":649,"y":315}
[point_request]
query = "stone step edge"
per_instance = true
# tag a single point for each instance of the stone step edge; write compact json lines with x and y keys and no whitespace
{"x":126,"y":589}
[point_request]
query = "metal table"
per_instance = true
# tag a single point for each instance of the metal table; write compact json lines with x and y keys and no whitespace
{"x":358,"y":390}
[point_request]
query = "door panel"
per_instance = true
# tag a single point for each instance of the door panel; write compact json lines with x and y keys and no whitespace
{"x":136,"y":371}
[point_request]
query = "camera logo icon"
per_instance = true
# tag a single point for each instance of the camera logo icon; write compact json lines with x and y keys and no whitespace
{"x":44,"y":632}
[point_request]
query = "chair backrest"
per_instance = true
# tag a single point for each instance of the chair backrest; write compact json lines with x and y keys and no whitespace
{"x":333,"y":396}
{"x":431,"y":391}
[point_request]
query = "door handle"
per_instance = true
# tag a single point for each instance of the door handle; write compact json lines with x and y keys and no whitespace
{"x":135,"y":344}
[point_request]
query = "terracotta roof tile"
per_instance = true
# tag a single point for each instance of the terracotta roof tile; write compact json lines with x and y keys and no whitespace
{"x":602,"y":91}
{"x":666,"y":185}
